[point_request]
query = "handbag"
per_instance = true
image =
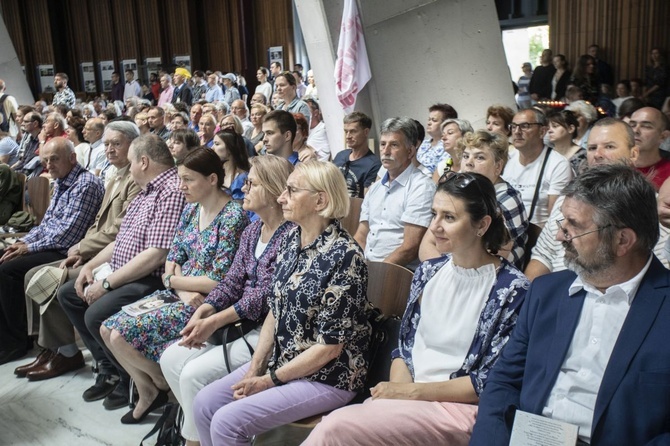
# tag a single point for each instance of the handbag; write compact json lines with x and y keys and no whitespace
{"x":227,"y":334}
{"x":168,"y":427}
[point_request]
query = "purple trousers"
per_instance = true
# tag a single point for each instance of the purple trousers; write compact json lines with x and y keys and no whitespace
{"x":221,"y":420}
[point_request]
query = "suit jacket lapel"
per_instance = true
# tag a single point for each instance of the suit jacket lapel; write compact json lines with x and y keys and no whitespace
{"x":569,"y":309}
{"x":641,"y":316}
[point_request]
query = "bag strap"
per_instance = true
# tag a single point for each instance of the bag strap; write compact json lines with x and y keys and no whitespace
{"x":159,"y":424}
{"x":539,"y":183}
{"x":226,"y":329}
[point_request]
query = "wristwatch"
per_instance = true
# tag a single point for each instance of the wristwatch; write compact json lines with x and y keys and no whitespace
{"x":166,"y":281}
{"x":106,"y":285}
{"x":273,"y":376}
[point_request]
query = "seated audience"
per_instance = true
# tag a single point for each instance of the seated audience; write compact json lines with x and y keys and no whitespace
{"x":396,"y":210}
{"x":75,"y":133}
{"x":181,"y":143}
{"x":304,"y":150}
{"x":11,"y":193}
{"x":242,"y":294}
{"x":317,"y":131}
{"x":486,"y":153}
{"x":452,"y":130}
{"x":535,"y":164}
{"x":258,"y":112}
{"x":444,"y":357}
{"x":358,"y":163}
{"x":128,"y":268}
{"x":587,"y":115}
{"x":590,"y":343}
{"x":229,"y":146}
{"x":651,"y":127}
{"x":279,"y":128}
{"x":207,"y":128}
{"x":286,"y":93}
{"x":562,"y":131}
{"x":9,"y":149}
{"x":312,"y":353}
{"x":204,"y":245}
{"x":431,"y":151}
{"x":77,"y":196}
{"x":56,"y":336}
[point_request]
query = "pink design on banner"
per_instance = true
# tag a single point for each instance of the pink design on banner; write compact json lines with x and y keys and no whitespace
{"x":352,"y":68}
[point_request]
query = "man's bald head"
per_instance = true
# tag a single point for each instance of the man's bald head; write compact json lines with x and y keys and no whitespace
{"x":59,"y":157}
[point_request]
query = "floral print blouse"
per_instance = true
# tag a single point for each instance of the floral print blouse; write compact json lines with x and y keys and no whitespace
{"x":248,"y":283}
{"x":211,"y":251}
{"x":319,"y":296}
{"x":495,"y":325}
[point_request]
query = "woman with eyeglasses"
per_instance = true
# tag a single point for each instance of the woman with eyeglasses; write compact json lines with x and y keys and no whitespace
{"x":486,"y":153}
{"x":229,"y":146}
{"x":191,"y":364}
{"x":312,"y":353}
{"x":562,"y":131}
{"x":460,"y":313}
{"x":204,"y":246}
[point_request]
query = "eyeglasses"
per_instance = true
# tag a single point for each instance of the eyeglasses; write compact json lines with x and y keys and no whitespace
{"x":248,"y":183}
{"x":569,"y":238}
{"x":291,"y":190}
{"x":524,"y":126}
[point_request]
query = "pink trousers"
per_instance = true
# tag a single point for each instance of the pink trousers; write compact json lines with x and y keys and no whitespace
{"x":397,"y":422}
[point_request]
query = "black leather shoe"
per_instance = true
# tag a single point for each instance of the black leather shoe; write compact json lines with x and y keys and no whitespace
{"x":118,"y":398}
{"x":104,"y":385}
{"x":160,"y":401}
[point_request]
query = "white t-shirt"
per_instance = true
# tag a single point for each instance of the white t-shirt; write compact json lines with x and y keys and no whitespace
{"x":556,"y":176}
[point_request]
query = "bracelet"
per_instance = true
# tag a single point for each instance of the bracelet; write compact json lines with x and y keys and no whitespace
{"x":273,"y":376}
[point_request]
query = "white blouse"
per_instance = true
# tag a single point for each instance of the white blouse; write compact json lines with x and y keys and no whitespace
{"x":450,"y":307}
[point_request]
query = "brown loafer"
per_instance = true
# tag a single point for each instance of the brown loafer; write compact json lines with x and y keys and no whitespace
{"x":56,"y":366}
{"x":44,"y":356}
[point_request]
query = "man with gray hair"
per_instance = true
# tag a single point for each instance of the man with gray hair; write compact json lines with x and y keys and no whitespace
{"x":60,"y":353}
{"x":396,"y":211}
{"x":590,"y":347}
{"x":134,"y":262}
{"x":535,"y":170}
{"x":76,"y":199}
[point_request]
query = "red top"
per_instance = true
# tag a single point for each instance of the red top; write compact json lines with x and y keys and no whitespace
{"x":657,"y":173}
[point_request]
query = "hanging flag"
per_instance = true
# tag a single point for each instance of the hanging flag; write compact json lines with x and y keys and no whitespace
{"x":352,"y":69}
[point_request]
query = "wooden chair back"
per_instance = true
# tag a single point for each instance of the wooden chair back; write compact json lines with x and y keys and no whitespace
{"x":388,"y":287}
{"x":350,"y":222}
{"x":39,"y":195}
{"x":22,"y":182}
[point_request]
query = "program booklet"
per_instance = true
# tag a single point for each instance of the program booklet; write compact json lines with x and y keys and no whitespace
{"x":535,"y":430}
{"x":152,"y":302}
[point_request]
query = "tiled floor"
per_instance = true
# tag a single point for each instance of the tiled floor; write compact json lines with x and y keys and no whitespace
{"x":52,"y":412}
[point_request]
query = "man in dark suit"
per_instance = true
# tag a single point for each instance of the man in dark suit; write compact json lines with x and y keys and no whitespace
{"x":182,"y":92}
{"x":591,"y":347}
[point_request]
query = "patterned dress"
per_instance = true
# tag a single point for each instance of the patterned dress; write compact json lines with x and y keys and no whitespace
{"x":208,"y":252}
{"x":495,"y":325}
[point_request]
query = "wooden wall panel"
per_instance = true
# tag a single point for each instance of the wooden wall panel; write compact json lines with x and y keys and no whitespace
{"x":12,"y":16}
{"x":177,"y":28}
{"x":149,"y":29}
{"x":38,"y":32}
{"x":274,"y":27}
{"x":80,"y":31}
{"x":625,"y":30}
{"x":217,"y":35}
{"x":102,"y":30}
{"x":125,"y":29}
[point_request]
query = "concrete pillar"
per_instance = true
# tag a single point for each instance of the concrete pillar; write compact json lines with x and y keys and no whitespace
{"x":10,"y":69}
{"x":421,"y":52}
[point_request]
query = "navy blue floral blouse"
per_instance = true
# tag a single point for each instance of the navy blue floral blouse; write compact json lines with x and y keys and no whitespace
{"x":494,"y":327}
{"x":319,"y":296}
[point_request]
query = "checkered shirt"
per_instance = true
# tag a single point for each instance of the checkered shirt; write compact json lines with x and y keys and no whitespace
{"x":151,"y":220}
{"x":516,"y":219}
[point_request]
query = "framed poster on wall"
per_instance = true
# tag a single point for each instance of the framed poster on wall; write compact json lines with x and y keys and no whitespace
{"x":183,"y":61}
{"x":106,"y":68}
{"x":276,"y":54}
{"x":45,"y":75}
{"x":88,"y":77}
{"x":129,"y":64}
{"x":151,"y":65}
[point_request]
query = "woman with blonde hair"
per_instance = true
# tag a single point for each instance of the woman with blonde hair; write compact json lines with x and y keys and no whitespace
{"x":452,"y":130}
{"x":243,"y":294}
{"x":257,"y":113}
{"x":312,"y":353}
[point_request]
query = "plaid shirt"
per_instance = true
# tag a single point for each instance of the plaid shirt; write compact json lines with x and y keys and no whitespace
{"x":516,"y":219}
{"x":151,"y":220}
{"x":74,"y":204}
{"x":65,"y":96}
